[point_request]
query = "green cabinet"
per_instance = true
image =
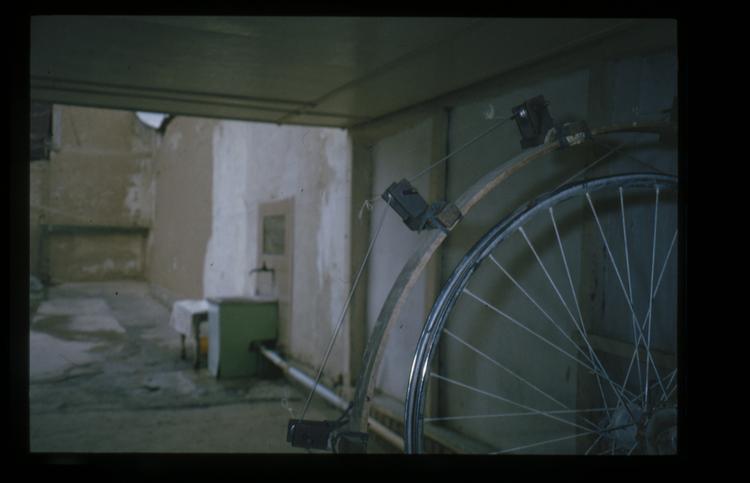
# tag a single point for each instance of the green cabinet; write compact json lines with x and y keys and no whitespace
{"x":234,"y":323}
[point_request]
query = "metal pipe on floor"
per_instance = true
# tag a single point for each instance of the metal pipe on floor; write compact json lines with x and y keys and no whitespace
{"x":302,"y":378}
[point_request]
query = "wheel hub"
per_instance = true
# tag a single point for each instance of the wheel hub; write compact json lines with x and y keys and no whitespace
{"x":661,"y":431}
{"x":654,"y":431}
{"x":620,"y":429}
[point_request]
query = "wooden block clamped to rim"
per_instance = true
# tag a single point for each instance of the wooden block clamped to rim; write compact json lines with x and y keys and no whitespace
{"x":569,"y":133}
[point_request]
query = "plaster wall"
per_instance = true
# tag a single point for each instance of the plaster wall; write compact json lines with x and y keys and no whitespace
{"x":183,"y":208}
{"x":211,"y":177}
{"x":100,"y":174}
{"x":257,"y":163}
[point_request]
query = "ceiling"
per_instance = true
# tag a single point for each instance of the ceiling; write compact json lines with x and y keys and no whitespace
{"x":323,"y":71}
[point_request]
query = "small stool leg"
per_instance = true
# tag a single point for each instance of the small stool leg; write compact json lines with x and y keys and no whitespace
{"x":197,"y":362}
{"x":182,"y":343}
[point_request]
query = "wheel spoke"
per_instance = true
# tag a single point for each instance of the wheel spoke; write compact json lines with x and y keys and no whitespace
{"x":549,"y":441}
{"x":594,"y":359}
{"x":611,"y":257}
{"x":549,"y":278}
{"x":665,"y":395}
{"x":669,"y":394}
{"x":627,"y":154}
{"x":593,"y":445}
{"x":538,"y":336}
{"x":627,"y":298}
{"x":658,"y":283}
{"x":546,"y":315}
{"x":671,"y":377}
{"x":648,"y":314}
{"x":651,"y":364}
{"x":630,"y":293}
{"x":527,"y":413}
{"x":522,"y":326}
{"x":501,"y":366}
{"x":537,"y":416}
{"x":582,"y":328}
{"x":590,"y":166}
{"x":651,"y":290}
{"x":619,"y":278}
{"x":506,"y":400}
{"x":635,"y":445}
{"x":666,"y":259}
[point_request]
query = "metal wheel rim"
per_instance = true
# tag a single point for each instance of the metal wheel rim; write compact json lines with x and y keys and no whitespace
{"x":416,"y":390}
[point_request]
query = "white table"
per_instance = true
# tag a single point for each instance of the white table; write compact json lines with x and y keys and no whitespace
{"x":187,"y":315}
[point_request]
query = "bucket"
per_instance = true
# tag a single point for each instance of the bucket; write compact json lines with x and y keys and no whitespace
{"x":204,"y":345}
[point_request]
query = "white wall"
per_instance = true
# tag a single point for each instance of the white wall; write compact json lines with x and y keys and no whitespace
{"x":225,"y":265}
{"x":182,"y":224}
{"x":256,"y":163}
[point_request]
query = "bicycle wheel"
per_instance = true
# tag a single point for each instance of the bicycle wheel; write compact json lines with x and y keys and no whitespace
{"x":620,"y":135}
{"x":556,"y":333}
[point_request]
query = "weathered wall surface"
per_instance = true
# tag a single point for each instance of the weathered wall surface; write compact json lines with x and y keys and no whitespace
{"x":225,"y":262}
{"x":259,"y":163}
{"x":211,"y":177}
{"x":99,"y":175}
{"x":83,"y":257}
{"x":183,"y":161}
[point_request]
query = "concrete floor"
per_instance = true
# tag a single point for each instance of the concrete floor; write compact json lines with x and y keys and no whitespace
{"x":106,"y":377}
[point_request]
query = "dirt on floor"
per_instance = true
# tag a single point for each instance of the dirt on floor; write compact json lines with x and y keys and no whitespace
{"x":107,"y":376}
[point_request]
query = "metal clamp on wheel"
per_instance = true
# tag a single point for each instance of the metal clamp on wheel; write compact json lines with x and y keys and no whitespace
{"x":533,"y":120}
{"x":416,"y":213}
{"x":326,"y":435}
{"x":309,"y":434}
